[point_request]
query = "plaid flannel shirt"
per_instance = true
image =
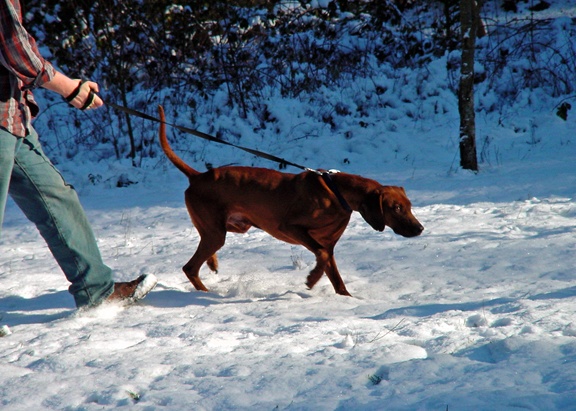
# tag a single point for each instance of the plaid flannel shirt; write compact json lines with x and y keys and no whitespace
{"x":22,"y":69}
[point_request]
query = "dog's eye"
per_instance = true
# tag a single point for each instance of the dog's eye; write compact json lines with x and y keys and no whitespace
{"x":398,"y":208}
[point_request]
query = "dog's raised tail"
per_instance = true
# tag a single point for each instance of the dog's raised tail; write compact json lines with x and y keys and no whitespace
{"x":177,"y":161}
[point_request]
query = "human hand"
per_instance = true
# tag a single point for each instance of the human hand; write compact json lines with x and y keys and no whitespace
{"x":84,"y":96}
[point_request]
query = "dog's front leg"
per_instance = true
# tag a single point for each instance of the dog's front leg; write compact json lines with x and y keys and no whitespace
{"x":335,"y":278}
{"x":316,"y":273}
{"x":325,"y":263}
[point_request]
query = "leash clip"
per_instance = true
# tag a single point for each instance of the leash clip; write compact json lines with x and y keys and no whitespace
{"x":322,"y":172}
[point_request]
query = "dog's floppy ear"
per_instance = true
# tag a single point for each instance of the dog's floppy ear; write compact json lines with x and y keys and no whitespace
{"x":371,"y":210}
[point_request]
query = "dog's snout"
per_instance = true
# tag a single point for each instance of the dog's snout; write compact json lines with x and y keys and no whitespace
{"x":417,"y":230}
{"x":417,"y":227}
{"x":413,"y":229}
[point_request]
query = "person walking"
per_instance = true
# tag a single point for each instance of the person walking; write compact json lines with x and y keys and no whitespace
{"x":32,"y":181}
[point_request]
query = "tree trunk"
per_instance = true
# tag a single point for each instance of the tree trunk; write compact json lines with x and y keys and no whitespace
{"x":468,"y":20}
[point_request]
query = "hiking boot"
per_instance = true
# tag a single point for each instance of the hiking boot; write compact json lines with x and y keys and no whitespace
{"x":134,"y":290}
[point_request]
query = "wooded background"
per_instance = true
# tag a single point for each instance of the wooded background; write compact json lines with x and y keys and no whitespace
{"x":244,"y":48}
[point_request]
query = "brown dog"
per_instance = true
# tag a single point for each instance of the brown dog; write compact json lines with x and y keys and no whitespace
{"x":295,"y":208}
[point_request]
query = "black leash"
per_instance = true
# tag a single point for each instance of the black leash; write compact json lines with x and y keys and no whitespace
{"x":283,"y":162}
{"x":208,"y":137}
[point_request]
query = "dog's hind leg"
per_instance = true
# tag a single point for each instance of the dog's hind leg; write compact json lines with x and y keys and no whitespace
{"x":212,"y":263}
{"x":206,"y":251}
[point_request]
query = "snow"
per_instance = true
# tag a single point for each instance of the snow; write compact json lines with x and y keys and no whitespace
{"x":478,"y":313}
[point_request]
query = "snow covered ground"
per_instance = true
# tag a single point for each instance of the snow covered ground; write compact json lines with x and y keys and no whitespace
{"x":478,"y":313}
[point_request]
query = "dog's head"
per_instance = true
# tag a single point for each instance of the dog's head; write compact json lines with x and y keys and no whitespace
{"x":389,"y":206}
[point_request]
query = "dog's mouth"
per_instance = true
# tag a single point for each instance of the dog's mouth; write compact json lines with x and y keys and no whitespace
{"x":409,"y":231}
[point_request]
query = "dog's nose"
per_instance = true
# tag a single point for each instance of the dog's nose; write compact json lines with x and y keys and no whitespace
{"x":419,"y":228}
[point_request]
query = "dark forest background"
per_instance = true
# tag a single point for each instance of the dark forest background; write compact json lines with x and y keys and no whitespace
{"x":143,"y":51}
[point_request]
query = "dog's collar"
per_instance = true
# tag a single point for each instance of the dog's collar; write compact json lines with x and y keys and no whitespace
{"x":330,"y":183}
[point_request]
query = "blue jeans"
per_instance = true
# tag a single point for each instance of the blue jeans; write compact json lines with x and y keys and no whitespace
{"x":28,"y":176}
